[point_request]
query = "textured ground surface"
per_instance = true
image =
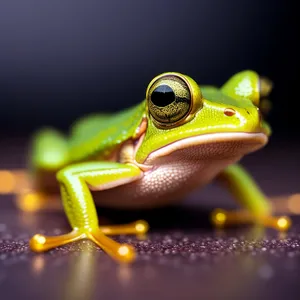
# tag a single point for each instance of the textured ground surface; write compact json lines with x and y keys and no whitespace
{"x":183,"y":257}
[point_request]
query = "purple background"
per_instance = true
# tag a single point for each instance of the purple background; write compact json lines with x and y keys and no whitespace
{"x":60,"y":59}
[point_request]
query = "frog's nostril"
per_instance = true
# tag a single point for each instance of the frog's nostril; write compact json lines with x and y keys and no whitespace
{"x":229,"y":112}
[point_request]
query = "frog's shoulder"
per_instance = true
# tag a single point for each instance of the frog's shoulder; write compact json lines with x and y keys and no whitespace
{"x":99,"y":134}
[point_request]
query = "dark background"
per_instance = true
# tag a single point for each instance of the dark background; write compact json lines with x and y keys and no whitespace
{"x":62,"y":59}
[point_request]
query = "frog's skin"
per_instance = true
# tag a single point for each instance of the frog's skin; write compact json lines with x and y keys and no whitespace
{"x":179,"y":138}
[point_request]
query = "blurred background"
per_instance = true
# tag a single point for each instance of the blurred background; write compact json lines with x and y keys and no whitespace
{"x":62,"y":59}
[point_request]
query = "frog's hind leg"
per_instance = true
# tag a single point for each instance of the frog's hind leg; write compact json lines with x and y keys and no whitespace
{"x":258,"y":209}
{"x":48,"y":154}
{"x":75,"y":182}
{"x":49,"y":151}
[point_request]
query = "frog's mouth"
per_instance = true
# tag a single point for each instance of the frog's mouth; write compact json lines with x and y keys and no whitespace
{"x":214,"y":145}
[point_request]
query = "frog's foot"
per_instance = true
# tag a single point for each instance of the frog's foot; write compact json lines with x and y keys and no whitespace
{"x":222,"y":218}
{"x":121,"y":252}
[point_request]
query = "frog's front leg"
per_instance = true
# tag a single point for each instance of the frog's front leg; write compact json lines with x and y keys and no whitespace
{"x":248,"y":194}
{"x":75,"y":182}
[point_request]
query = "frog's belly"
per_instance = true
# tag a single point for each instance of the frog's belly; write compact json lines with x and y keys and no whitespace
{"x":172,"y":177}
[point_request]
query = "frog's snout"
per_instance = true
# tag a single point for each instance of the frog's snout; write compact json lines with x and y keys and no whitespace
{"x":245,"y":119}
{"x":254,"y":120}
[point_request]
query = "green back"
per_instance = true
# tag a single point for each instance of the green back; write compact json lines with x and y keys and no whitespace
{"x":99,"y":134}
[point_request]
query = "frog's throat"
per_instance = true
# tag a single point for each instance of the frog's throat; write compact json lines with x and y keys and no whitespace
{"x":252,"y":141}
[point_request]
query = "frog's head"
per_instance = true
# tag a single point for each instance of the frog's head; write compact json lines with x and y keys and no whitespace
{"x":182,"y":115}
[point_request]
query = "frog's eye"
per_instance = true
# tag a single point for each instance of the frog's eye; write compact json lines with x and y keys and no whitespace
{"x":171,"y":98}
{"x":247,"y":84}
{"x":265,"y":86}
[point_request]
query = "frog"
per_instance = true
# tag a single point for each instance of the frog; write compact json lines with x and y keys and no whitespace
{"x":180,"y":138}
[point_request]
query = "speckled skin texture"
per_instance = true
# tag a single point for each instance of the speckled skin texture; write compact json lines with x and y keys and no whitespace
{"x":175,"y":175}
{"x":183,"y":257}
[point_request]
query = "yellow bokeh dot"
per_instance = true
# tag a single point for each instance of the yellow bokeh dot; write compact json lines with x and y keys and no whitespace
{"x":294,"y":203}
{"x":30,"y":201}
{"x":7,"y":182}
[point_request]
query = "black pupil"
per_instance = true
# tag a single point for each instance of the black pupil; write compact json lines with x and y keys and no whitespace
{"x":162,"y":96}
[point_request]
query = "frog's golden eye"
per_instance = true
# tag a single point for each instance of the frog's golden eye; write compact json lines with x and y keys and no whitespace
{"x":171,"y":98}
{"x":265,"y":86}
{"x":248,"y":85}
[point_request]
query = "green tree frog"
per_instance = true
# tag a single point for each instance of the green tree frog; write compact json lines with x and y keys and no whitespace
{"x":181,"y":137}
